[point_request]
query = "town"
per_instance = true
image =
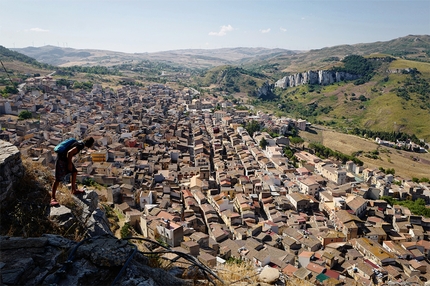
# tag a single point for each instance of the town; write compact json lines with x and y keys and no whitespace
{"x":184,"y":171}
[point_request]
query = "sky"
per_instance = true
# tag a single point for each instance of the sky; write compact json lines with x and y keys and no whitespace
{"x":138,"y":26}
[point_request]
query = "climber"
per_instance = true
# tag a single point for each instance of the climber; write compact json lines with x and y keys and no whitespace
{"x":64,"y":166}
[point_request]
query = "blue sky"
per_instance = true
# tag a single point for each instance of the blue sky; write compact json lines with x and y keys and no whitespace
{"x":160,"y":25}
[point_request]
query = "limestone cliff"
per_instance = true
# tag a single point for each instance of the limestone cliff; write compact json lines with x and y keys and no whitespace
{"x":321,"y":77}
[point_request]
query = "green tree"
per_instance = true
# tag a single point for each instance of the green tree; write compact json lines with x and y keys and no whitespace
{"x":263,"y":143}
{"x":289,"y":153}
{"x":65,"y":82}
{"x":252,"y":126}
{"x":362,"y":98}
{"x":9,"y":90}
{"x":296,"y":141}
{"x":25,"y":114}
{"x":125,"y":230}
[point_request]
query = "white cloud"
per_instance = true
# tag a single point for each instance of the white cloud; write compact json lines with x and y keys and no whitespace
{"x":265,"y":31}
{"x":38,"y":30}
{"x":282,"y":29}
{"x":223,"y":31}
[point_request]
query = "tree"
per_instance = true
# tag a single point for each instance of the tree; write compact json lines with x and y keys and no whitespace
{"x":252,"y":127}
{"x":9,"y":89}
{"x":296,"y":141}
{"x":125,"y":230}
{"x":263,"y":143}
{"x":288,"y":153}
{"x":25,"y":114}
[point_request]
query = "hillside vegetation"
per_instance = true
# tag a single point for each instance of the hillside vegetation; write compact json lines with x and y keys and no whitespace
{"x":411,"y":47}
{"x":230,"y":80}
{"x":387,"y":102}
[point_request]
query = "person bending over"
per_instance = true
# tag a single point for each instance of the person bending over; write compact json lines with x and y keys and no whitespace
{"x":64,"y":166}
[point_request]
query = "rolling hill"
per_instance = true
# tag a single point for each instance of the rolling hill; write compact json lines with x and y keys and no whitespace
{"x":190,"y":58}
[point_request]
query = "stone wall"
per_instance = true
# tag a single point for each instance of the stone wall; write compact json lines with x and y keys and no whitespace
{"x":11,"y":170}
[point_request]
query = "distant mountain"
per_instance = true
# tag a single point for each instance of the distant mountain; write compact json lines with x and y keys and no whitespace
{"x":198,"y":58}
{"x":411,"y":47}
{"x":415,"y":47}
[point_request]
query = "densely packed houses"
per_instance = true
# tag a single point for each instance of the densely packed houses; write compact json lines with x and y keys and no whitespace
{"x":184,"y":170}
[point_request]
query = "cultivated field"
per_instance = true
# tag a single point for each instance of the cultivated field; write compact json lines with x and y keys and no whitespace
{"x":406,"y":164}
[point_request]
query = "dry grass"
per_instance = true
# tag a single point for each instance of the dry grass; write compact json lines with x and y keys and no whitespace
{"x":22,"y":68}
{"x":298,"y":282}
{"x":402,"y":161}
{"x":64,"y":196}
{"x":27,"y":216}
{"x":238,"y":274}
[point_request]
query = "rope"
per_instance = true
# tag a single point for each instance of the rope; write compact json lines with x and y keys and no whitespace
{"x":125,"y":265}
{"x":193,"y":261}
{"x":7,"y":73}
{"x":186,"y":256}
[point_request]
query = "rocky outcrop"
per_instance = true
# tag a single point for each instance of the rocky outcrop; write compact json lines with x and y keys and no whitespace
{"x":11,"y":171}
{"x":54,"y":260}
{"x":322,"y":77}
{"x":86,"y":215}
{"x":265,"y":91}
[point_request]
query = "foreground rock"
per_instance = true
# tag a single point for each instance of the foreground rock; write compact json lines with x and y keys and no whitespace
{"x":52,"y":259}
{"x":85,"y":214}
{"x":269,"y":275}
{"x":11,"y":170}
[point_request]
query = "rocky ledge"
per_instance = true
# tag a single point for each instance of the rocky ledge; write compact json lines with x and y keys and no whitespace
{"x":54,"y":260}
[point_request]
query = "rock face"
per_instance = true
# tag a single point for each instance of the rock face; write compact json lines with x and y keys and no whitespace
{"x":265,"y":91}
{"x":11,"y":170}
{"x":322,"y":77}
{"x":54,"y":260}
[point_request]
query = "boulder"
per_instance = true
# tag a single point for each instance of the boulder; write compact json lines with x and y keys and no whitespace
{"x":269,"y":275}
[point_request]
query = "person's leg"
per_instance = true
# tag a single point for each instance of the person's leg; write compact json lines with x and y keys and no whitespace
{"x":74,"y":174}
{"x":59,"y":175}
{"x":54,"y":189}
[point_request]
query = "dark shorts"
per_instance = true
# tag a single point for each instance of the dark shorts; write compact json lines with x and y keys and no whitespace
{"x":61,"y":169}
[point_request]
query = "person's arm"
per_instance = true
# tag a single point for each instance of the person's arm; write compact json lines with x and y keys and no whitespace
{"x":72,"y":152}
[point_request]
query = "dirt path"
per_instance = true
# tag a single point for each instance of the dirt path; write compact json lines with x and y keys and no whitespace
{"x":406,"y":164}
